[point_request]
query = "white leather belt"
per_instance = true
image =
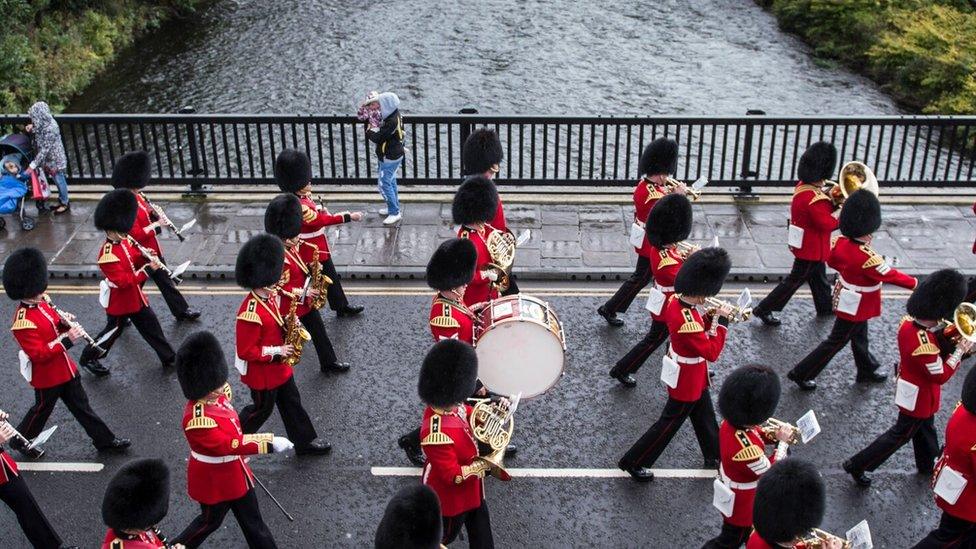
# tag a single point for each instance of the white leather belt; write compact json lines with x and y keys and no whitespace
{"x":736,"y":485}
{"x":856,"y":288}
{"x":213,"y":459}
{"x":313,"y":234}
{"x":664,"y":289}
{"x":684,"y":359}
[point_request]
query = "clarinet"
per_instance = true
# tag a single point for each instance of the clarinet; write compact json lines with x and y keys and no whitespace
{"x":161,"y":214}
{"x":150,"y":256}
{"x":66,"y":318}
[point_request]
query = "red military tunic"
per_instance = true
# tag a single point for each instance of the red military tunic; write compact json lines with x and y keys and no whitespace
{"x":744,"y":459}
{"x":498,"y":222}
{"x":293,"y":281}
{"x":315,"y":219}
{"x":144,"y":218}
{"x":260,"y":333}
{"x":146,"y":539}
{"x":119,"y":262}
{"x":922,"y":365}
{"x":216,"y":470}
{"x":451,"y":319}
{"x":665,"y":263}
{"x":480,"y":288}
{"x":8,"y":467}
{"x":812,"y":212}
{"x":38,"y":330}
{"x":694,"y":343}
{"x":861,"y":270}
{"x":960,"y":455}
{"x":646,"y":195}
{"x":448,"y":443}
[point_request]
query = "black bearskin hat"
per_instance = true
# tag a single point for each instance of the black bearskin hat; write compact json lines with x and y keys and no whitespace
{"x":283,"y":218}
{"x":200,"y":365}
{"x":449,"y":373}
{"x":137,"y":497}
{"x":937,"y":296}
{"x":703,"y":273}
{"x":260,"y":262}
{"x":452,"y":264}
{"x":861,"y":214}
{"x":475,"y":201}
{"x":25,"y":274}
{"x":969,"y":392}
{"x":669,"y":221}
{"x":412,"y":520}
{"x":749,"y":396}
{"x":131,"y":171}
{"x":116,"y":211}
{"x":817,"y":162}
{"x":659,"y":157}
{"x":790,"y":500}
{"x":481,"y":151}
{"x":292,"y":170}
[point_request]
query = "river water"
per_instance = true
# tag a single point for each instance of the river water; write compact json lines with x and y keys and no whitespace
{"x":578,"y":57}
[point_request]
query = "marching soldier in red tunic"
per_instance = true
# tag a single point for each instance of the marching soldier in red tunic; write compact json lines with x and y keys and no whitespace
{"x":857,"y":295}
{"x":747,"y":399}
{"x":657,"y":162}
{"x":283,"y":219}
{"x":293,"y":173}
{"x":17,"y":496}
{"x":475,"y":203}
{"x":412,"y":520}
{"x":694,"y":343}
{"x":791,"y":500}
{"x":45,"y":339}
{"x":482,"y":154}
{"x":448,"y":376}
{"x":262,"y":350}
{"x":122,"y":294}
{"x":668,"y":223}
{"x":217,"y":475}
{"x":924,"y":366}
{"x":813,"y":216}
{"x":132,"y":172}
{"x":954,"y":481}
{"x":136,"y":500}
{"x":449,"y":270}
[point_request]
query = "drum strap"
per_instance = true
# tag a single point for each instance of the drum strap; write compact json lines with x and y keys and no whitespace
{"x":456,"y":304}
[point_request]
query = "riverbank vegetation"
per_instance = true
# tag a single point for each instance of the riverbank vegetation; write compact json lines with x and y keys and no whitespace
{"x":923,"y":52}
{"x":52,"y":49}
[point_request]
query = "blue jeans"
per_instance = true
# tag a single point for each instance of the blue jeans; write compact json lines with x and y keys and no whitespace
{"x":388,"y":183}
{"x":62,"y":184}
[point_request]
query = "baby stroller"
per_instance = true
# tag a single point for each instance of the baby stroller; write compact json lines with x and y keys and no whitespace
{"x":17,"y":147}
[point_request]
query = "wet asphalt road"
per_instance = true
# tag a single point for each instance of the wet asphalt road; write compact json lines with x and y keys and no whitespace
{"x":586,"y":421}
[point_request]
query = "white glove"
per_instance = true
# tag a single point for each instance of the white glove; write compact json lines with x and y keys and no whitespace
{"x":491,"y":275}
{"x":32,"y":166}
{"x":281,"y":444}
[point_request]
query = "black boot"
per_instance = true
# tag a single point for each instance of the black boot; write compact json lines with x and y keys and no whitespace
{"x":639,"y":474}
{"x":626,"y":380}
{"x":767,"y":318}
{"x":95,"y":367}
{"x":611,"y":318}
{"x":870,"y":377}
{"x":349,"y":310}
{"x":189,"y":314}
{"x":314,"y":448}
{"x":859,"y":477}
{"x":114,"y":445}
{"x":803,"y":384}
{"x":339,"y":367}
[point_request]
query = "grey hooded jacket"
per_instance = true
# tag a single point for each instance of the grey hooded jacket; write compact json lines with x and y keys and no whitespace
{"x":48,"y":149}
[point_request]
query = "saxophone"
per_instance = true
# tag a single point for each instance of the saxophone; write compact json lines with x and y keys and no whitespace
{"x":320,"y":283}
{"x":295,"y":334}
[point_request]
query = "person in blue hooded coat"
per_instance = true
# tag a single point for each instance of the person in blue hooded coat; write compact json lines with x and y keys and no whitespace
{"x":388,"y":137}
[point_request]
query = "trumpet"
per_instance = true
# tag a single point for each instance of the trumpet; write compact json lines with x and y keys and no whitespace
{"x":70,"y":322}
{"x":817,"y":539}
{"x":686,"y":248}
{"x":962,"y":328}
{"x":772,"y":425}
{"x":739,"y":314}
{"x":672,"y":184}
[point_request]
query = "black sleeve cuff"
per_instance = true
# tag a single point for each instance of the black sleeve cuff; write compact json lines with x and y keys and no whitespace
{"x":723,"y":321}
{"x":67,"y":343}
{"x":346,"y":217}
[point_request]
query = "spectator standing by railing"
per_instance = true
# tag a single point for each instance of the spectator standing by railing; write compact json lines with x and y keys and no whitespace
{"x":49,"y":152}
{"x":386,"y":130}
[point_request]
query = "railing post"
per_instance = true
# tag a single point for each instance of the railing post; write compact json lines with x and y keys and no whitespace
{"x":466,"y":128}
{"x":745,"y":191}
{"x":196,"y":189}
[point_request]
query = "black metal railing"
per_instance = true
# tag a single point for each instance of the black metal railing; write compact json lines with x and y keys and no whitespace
{"x":745,"y":152}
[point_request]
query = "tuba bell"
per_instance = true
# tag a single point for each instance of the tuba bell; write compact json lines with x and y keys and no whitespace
{"x":853,"y":177}
{"x":961,"y":330}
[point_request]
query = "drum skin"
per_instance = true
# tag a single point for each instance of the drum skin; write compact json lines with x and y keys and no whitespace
{"x":520,"y":346}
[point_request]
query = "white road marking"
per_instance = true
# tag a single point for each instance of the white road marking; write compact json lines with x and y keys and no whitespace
{"x":559,"y":473}
{"x":61,"y":467}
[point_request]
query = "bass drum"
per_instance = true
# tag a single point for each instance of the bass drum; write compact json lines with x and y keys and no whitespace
{"x":521,"y":346}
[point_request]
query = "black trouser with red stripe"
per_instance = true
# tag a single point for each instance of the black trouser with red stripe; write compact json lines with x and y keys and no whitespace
{"x":813,"y":273}
{"x":952,"y":532}
{"x":248,"y":516}
{"x":167,"y":288}
{"x":920,"y":431}
{"x":844,"y":331}
{"x":73,"y":394}
{"x":312,"y":321}
{"x":37,"y":529}
{"x":148,"y":327}
{"x":635,"y":358}
{"x":298,"y":426}
{"x":631,"y":287}
{"x":649,"y":446}
{"x":478,"y":524}
{"x":731,"y":537}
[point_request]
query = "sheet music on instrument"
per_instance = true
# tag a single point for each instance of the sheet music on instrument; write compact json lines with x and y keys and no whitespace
{"x":809,"y":426}
{"x":745,"y":299}
{"x":523,"y":237}
{"x":180,"y":269}
{"x":700,"y":183}
{"x":860,"y":536}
